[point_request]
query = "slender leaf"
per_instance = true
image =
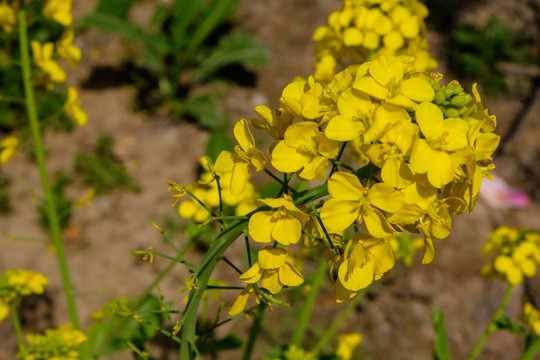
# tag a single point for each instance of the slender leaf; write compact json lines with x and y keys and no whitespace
{"x":440,"y":348}
{"x":113,"y":24}
{"x":237,"y":49}
{"x":118,"y":8}
{"x":184,"y":14}
{"x":219,"y":11}
{"x":206,"y":113}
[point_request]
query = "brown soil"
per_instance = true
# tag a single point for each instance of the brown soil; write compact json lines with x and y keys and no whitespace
{"x":395,"y":324}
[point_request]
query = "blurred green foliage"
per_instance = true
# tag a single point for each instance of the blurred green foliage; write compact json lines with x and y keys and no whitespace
{"x":5,"y":203}
{"x":186,"y":46}
{"x":476,"y":53}
{"x":102,"y":170}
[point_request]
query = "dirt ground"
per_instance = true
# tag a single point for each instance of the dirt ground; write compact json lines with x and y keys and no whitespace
{"x":396,"y":322}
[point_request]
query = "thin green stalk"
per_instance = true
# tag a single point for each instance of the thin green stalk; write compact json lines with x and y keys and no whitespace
{"x":492,"y":326}
{"x":17,"y":325}
{"x":254,"y":331}
{"x":307,"y":308}
{"x":52,"y":213}
{"x":328,"y":238}
{"x":328,"y":334}
{"x":531,"y":351}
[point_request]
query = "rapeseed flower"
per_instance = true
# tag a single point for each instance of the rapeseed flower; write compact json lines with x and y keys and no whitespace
{"x":305,"y":150}
{"x":282,"y":225}
{"x":73,"y":109}
{"x":351,"y":202}
{"x":59,"y":11}
{"x":8,"y":148}
{"x":531,"y":317}
{"x":247,"y":157}
{"x":275,"y":269}
{"x":517,"y":254}
{"x":57,"y":344}
{"x":7,"y":17}
{"x":363,"y":29}
{"x":15,"y":284}
{"x":43,"y":58}
{"x":66,"y":50}
{"x":347,"y":343}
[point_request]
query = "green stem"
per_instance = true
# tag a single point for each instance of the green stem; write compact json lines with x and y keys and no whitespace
{"x":328,"y":334}
{"x":531,"y":351}
{"x":254,"y":331}
{"x":307,"y":308}
{"x":52,"y":213}
{"x":214,"y":254}
{"x":492,"y":326}
{"x":17,"y":325}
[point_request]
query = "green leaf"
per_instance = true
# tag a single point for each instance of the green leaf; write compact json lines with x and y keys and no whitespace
{"x":217,"y":143}
{"x":440,"y":348}
{"x":118,"y":8}
{"x":505,"y":323}
{"x":239,"y":48}
{"x":159,"y":16}
{"x":112,"y":336}
{"x":113,"y":24}
{"x":204,"y":110}
{"x":184,"y":14}
{"x":218,"y":11}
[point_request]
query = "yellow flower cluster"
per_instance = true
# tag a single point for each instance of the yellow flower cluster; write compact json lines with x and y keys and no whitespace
{"x":531,"y":317}
{"x":417,"y":155}
{"x":365,"y":29}
{"x":517,"y":254}
{"x":14,"y":284}
{"x":7,"y":17}
{"x":206,"y":190}
{"x":57,"y":344}
{"x":384,"y":110}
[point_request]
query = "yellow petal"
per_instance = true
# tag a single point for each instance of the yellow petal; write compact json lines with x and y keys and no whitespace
{"x":260,"y":226}
{"x":287,"y":159}
{"x":393,"y":40}
{"x":243,"y":135}
{"x":385,"y":197}
{"x":337,"y":215}
{"x":252,"y":275}
{"x":356,"y":278}
{"x":271,"y":282}
{"x":287,"y":230}
{"x":272,"y":258}
{"x":289,"y":275}
{"x":430,"y":120}
{"x":369,"y":86}
{"x":343,"y":128}
{"x":239,"y":177}
{"x":345,"y":186}
{"x":417,"y":89}
{"x":377,"y":224}
{"x":240,"y":303}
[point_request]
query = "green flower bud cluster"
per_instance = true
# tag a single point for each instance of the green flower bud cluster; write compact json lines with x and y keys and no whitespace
{"x":452,"y":99}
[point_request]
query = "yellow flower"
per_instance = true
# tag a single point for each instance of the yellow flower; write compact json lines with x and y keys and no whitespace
{"x":346,"y":345}
{"x":59,"y":11}
{"x":518,"y":254}
{"x":433,"y":154}
{"x":8,"y":148}
{"x":282,"y":225}
{"x":247,"y":157}
{"x":301,"y":99}
{"x":369,"y":259}
{"x":57,"y":344}
{"x":275,"y":269}
{"x":241,"y":300}
{"x":7,"y":17}
{"x":4,"y":312}
{"x":66,"y":50}
{"x":305,"y":150}
{"x":275,"y":126}
{"x":384,"y":81}
{"x":73,"y":109}
{"x":531,"y":317}
{"x":351,"y":201}
{"x":43,"y":59}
